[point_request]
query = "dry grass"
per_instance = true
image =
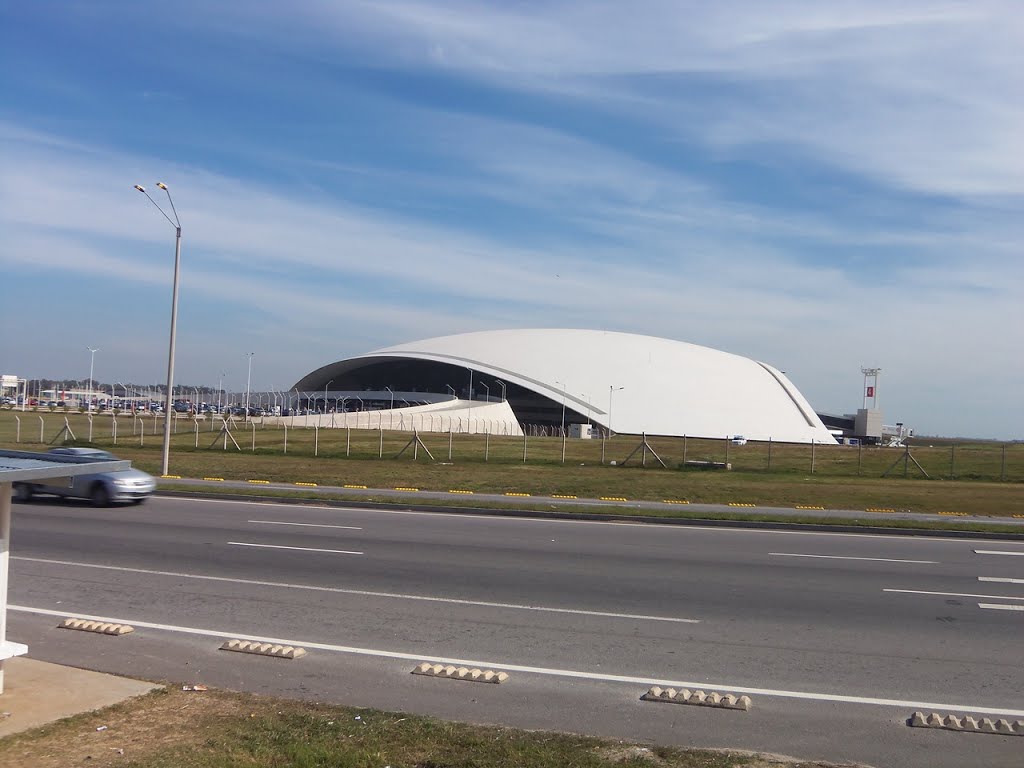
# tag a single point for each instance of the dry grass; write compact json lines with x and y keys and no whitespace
{"x":222,"y":729}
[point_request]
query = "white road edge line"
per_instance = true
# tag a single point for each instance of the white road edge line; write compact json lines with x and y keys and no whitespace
{"x":997,"y":607}
{"x":951,"y":594}
{"x":306,"y":525}
{"x":363,"y":593}
{"x":483,"y":664}
{"x":997,"y":552}
{"x":300,"y":549}
{"x":544,"y":521}
{"x":1000,"y":580}
{"x":839,"y":557}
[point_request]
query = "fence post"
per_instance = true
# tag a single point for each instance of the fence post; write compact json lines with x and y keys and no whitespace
{"x":684,"y":451}
{"x":381,"y":456}
{"x":952,"y":461}
{"x":285,"y":436}
{"x":726,"y":451}
{"x":196,"y":422}
{"x":348,"y":439}
{"x":90,"y":428}
{"x":316,"y":439}
{"x":253,"y":425}
{"x":525,"y":433}
{"x":487,"y":445}
{"x":769,"y":467}
{"x":860,"y":456}
{"x":1002,"y":468}
{"x":113,"y":428}
{"x":17,"y":432}
{"x":812,"y":455}
{"x":42,"y":439}
{"x":449,"y":439}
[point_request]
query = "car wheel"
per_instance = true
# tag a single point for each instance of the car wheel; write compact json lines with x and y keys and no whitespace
{"x":136,"y":502}
{"x":99,"y":496}
{"x":23,"y":492}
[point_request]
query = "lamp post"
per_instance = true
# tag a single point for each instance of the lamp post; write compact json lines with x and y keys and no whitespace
{"x":248,"y":381}
{"x":92,"y":358}
{"x":611,"y":389}
{"x":454,"y":396}
{"x":391,"y":421}
{"x":325,"y":393}
{"x":563,"y":422}
{"x":501,"y":384}
{"x":487,"y":391}
{"x":174,"y":318}
{"x":220,"y":392}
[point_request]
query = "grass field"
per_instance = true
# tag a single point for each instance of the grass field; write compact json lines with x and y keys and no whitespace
{"x":980,"y":478}
{"x":220,"y":729}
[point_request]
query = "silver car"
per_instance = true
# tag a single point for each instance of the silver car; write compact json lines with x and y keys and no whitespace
{"x":101,"y":488}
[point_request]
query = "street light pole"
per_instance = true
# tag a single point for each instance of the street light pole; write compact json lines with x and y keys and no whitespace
{"x":248,"y":381}
{"x":611,"y":389}
{"x":92,"y":358}
{"x":563,"y":419}
{"x":501,"y":384}
{"x":391,"y":421}
{"x":325,"y":394}
{"x":176,"y":223}
{"x":487,"y":389}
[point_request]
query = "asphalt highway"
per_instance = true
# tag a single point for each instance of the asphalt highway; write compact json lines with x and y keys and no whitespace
{"x":837,"y":637}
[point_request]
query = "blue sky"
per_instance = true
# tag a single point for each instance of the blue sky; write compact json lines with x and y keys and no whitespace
{"x":821,"y":186}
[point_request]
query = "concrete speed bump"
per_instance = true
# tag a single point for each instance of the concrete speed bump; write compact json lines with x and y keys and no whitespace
{"x":697,"y":698}
{"x":99,"y":627}
{"x":460,"y":673}
{"x":264,"y":649}
{"x":968,"y":724}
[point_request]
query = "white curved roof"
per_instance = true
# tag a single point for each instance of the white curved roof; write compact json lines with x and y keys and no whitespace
{"x":667,"y":387}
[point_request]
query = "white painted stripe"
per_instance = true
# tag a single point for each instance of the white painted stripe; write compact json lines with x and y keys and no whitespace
{"x":364,"y":593}
{"x":646,"y":681}
{"x":997,"y":552}
{"x":998,"y":607}
{"x":952,"y":594}
{"x":838,"y":557}
{"x":305,"y":525}
{"x":300,"y":549}
{"x":653,"y":525}
{"x":1000,"y":581}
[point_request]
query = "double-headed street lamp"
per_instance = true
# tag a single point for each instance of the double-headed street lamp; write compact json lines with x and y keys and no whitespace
{"x":248,"y":381}
{"x":168,"y":407}
{"x":92,"y":358}
{"x":501,"y":384}
{"x":611,"y":390}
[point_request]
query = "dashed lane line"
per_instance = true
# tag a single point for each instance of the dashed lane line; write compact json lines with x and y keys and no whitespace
{"x":569,"y":673}
{"x":298,"y":549}
{"x":997,"y":552}
{"x":1000,"y":607}
{"x":306,"y":525}
{"x":1000,"y":580}
{"x":839,"y":557}
{"x":363,"y":593}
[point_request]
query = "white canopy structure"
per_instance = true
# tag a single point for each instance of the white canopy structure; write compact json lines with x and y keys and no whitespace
{"x":623,"y":382}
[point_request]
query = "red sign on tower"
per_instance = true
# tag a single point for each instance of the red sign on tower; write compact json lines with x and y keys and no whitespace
{"x":871,"y":391}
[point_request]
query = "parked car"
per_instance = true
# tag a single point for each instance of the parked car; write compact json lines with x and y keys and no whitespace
{"x":101,"y":488}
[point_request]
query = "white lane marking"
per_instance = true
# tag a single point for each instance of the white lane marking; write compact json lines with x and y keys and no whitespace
{"x":997,"y":607}
{"x":300,"y":549}
{"x":838,"y":557}
{"x":996,"y":552}
{"x":651,"y":525}
{"x":952,"y":594}
{"x":1001,"y":581}
{"x":306,"y":525}
{"x":364,"y":593}
{"x":704,"y":684}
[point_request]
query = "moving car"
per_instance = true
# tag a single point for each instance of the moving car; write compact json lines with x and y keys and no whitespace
{"x":101,"y":488}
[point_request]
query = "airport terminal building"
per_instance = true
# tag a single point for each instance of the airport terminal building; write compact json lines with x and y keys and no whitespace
{"x":499,"y":381}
